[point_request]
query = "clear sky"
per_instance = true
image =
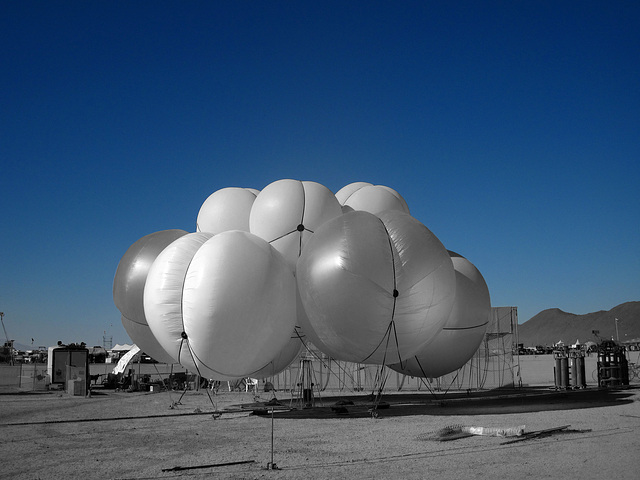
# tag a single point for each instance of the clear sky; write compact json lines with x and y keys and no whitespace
{"x":512,"y":130}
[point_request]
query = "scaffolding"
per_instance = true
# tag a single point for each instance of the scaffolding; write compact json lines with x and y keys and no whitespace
{"x":107,"y":342}
{"x":492,"y":366}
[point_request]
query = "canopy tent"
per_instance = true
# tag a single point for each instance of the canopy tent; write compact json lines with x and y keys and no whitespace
{"x":127,"y":358}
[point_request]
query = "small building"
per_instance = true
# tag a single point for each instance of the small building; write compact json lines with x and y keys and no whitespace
{"x":68,"y":367}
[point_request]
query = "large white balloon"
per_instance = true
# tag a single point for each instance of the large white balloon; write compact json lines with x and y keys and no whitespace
{"x":345,"y":192}
{"x":371,"y":198}
{"x":290,"y":352}
{"x":163,"y":297}
{"x":238,"y":304}
{"x":462,"y":334}
{"x":284,"y":358}
{"x":163,"y":308}
{"x":128,"y":288}
{"x":287,"y":212}
{"x":226,"y":209}
{"x":373,"y":285}
{"x":376,"y":289}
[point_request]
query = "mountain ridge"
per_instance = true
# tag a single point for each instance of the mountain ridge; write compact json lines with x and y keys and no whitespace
{"x":553,"y":325}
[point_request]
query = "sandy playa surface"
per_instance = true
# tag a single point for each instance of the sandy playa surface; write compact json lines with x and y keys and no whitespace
{"x":118,"y":435}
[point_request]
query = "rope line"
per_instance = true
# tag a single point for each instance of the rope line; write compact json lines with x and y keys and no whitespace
{"x":283,"y":235}
{"x":465,"y":328}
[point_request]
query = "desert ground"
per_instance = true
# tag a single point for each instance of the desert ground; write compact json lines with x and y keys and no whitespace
{"x":145,"y":435}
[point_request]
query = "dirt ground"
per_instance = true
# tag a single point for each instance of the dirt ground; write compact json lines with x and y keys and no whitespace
{"x":118,"y":435}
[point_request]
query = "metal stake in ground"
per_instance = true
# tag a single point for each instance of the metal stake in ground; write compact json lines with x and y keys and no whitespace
{"x":271,"y":465}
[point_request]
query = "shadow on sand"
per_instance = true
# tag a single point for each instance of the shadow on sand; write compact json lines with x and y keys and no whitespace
{"x":494,"y":402}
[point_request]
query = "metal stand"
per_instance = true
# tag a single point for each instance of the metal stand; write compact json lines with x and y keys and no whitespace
{"x":272,"y":465}
{"x":305,"y":384}
{"x":613,"y":368}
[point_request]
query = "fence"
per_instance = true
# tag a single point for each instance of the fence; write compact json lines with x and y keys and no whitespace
{"x":24,"y":377}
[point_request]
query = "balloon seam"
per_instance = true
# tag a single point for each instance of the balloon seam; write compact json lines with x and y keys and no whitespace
{"x":465,"y":328}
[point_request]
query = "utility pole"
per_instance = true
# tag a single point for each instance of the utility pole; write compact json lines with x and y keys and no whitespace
{"x":617,"y":334}
{"x":5,"y":330}
{"x":9,"y":343}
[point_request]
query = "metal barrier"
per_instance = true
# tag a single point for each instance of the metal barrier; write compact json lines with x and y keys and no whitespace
{"x":24,"y":377}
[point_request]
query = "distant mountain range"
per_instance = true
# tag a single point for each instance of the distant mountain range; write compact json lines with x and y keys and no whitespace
{"x":552,"y":325}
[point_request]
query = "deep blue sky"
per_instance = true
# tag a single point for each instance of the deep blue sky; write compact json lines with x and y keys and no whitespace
{"x":512,"y":129}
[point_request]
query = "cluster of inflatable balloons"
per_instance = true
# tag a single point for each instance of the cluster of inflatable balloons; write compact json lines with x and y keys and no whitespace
{"x":353,"y":273}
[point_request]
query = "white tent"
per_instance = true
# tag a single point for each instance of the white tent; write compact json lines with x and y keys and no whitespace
{"x":121,"y":366}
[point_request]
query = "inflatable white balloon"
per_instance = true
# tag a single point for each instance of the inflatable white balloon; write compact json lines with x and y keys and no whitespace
{"x":462,"y":334}
{"x":287,"y":212}
{"x":371,"y":198}
{"x":128,"y":288}
{"x":345,"y":192}
{"x":238,"y":304}
{"x":163,"y":308}
{"x":376,"y":289}
{"x":290,"y":352}
{"x":284,"y":358}
{"x":226,"y":209}
{"x":163,"y":298}
{"x":374,"y":285}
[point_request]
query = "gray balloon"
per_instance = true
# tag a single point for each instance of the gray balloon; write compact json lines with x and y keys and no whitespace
{"x":132,"y":271}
